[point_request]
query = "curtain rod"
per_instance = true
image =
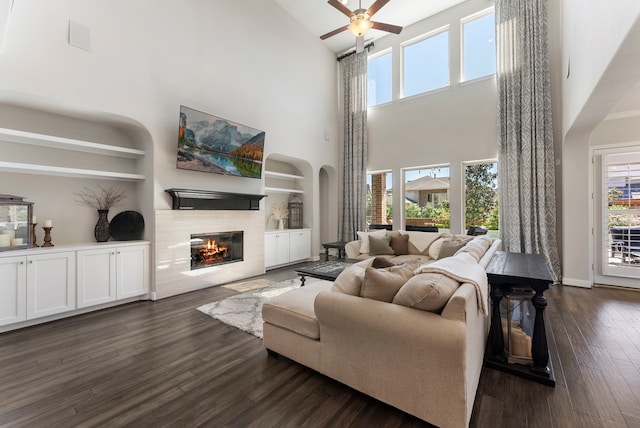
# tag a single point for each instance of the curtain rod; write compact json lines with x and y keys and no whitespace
{"x":343,"y":56}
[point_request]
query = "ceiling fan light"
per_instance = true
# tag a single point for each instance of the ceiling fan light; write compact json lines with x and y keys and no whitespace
{"x":360,"y":24}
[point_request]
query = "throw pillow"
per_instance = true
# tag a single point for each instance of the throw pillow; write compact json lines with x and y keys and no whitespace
{"x":477,"y":247}
{"x":350,"y":280}
{"x":400,"y":244}
{"x":420,"y":240}
{"x":382,"y":262}
{"x":434,"y":248}
{"x":383,"y":284}
{"x":364,"y":239}
{"x":427,"y":291}
{"x":449,"y":248}
{"x":379,"y":246}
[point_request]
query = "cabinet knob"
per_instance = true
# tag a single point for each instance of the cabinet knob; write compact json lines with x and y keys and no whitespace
{"x":30,"y":261}
{"x":21,"y":263}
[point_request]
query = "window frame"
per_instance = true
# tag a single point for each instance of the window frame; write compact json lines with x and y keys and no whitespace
{"x":418,"y":39}
{"x":466,"y":20}
{"x":463,"y":182}
{"x":403,"y":182}
{"x":388,"y":51}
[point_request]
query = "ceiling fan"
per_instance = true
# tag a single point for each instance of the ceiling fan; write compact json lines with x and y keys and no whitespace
{"x":361,"y":21}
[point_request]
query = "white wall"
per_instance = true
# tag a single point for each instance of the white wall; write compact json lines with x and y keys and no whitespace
{"x":449,"y":126}
{"x":247,"y":61}
{"x":605,"y":66}
{"x":592,"y":33}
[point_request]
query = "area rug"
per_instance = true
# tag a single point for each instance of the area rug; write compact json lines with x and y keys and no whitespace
{"x":244,"y":310}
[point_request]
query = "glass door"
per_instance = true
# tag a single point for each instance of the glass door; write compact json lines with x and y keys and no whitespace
{"x":620,"y":202}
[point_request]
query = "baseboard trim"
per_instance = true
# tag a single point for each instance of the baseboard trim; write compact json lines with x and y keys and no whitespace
{"x":576,"y":282}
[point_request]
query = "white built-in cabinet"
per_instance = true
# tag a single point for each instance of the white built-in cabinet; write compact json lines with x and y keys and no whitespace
{"x":37,"y":285}
{"x":299,"y":244}
{"x":286,"y":246}
{"x":276,"y":248}
{"x":112,"y":273}
{"x":51,"y":283}
{"x":13,"y":289}
{"x":42,"y":282}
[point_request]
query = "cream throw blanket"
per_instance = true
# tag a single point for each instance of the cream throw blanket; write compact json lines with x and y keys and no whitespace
{"x":463,"y":268}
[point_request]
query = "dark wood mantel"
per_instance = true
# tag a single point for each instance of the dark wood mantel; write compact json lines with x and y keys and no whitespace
{"x":187,"y":199}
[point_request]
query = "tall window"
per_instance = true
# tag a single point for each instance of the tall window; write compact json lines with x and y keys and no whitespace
{"x":426,"y":196}
{"x":426,"y":64}
{"x":379,"y":79}
{"x":379,"y":198}
{"x":479,"y":45}
{"x":481,"y":196}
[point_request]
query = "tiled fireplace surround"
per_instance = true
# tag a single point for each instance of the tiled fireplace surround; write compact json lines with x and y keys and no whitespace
{"x":173,"y":249}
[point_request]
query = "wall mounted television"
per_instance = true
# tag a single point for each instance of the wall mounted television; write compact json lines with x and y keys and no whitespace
{"x":211,"y":144}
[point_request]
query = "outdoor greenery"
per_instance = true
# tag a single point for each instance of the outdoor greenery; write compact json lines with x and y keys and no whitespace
{"x":439,"y":214}
{"x":481,"y":201}
{"x":481,"y":196}
{"x":619,"y":214}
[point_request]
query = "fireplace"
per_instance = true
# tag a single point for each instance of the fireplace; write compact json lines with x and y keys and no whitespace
{"x":211,"y":249}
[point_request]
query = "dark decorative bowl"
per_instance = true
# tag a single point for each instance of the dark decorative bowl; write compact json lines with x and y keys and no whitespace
{"x":127,"y":226}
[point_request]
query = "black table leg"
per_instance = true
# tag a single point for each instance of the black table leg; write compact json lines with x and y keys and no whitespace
{"x":301,"y":280}
{"x":539,"y":347}
{"x":326,"y":253}
{"x":496,"y":339}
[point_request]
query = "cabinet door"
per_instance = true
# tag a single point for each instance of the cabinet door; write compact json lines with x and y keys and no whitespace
{"x":270,"y":249}
{"x":132,"y":271}
{"x":51,"y":284}
{"x":13,"y":290}
{"x":283,"y":248}
{"x":276,"y":251}
{"x":96,"y":276}
{"x":299,"y":245}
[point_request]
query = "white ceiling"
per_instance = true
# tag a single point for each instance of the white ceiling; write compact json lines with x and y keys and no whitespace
{"x":319,"y":17}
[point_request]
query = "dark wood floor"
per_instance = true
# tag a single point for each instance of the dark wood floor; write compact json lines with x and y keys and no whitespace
{"x":166,"y":364}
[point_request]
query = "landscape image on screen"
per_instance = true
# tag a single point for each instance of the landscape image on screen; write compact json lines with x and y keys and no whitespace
{"x":211,"y":144}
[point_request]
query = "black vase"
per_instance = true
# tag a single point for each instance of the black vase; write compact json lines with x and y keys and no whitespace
{"x":101,"y":231}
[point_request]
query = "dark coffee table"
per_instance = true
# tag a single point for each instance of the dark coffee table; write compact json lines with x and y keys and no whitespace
{"x":328,"y":270}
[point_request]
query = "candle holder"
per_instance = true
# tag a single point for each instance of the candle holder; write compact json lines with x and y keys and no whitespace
{"x":33,"y":235}
{"x":47,"y":237}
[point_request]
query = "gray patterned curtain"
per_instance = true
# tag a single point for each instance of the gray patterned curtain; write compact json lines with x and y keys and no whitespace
{"x":525,"y":133}
{"x":354,"y":92}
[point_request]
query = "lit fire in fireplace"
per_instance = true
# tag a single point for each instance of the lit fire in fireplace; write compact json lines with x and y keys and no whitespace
{"x":210,"y":249}
{"x":211,"y":252}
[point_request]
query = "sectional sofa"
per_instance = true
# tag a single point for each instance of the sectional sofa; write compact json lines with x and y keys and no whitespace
{"x":411,"y":335}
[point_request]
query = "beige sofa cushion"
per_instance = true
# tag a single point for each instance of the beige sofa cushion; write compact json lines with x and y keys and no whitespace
{"x":400,"y":244}
{"x":477,"y":247}
{"x":380,"y":246}
{"x":350,"y":280}
{"x":294,"y":311}
{"x":434,"y":248}
{"x":419,"y":242}
{"x":364,"y":239}
{"x":426,"y":291}
{"x":449,"y":248}
{"x":383,"y":284}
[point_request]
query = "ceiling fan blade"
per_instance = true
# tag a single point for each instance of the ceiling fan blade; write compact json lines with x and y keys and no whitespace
{"x":334,"y":32}
{"x":359,"y":44}
{"x":342,"y":8}
{"x":386,"y":27}
{"x":376,"y":6}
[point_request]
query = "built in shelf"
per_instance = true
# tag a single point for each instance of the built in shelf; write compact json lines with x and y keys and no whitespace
{"x":282,"y":190}
{"x":282,"y":175}
{"x":51,"y":141}
{"x":27,"y":168}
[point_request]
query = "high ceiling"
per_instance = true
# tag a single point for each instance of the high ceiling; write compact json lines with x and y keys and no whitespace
{"x":319,"y":17}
